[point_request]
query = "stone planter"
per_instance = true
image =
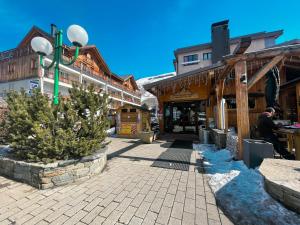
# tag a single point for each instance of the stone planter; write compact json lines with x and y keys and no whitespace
{"x":219,"y":138}
{"x":147,"y":136}
{"x":255,"y":151}
{"x":43,"y":176}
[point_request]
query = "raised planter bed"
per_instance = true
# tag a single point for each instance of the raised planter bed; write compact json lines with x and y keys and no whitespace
{"x":282,"y":181}
{"x":43,"y":176}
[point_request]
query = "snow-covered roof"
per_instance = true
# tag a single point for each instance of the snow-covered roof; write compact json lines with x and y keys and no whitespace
{"x":148,"y":80}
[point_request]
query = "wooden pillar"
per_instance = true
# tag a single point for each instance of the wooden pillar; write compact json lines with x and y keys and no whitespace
{"x":219,"y":94}
{"x":242,"y":110}
{"x":298,"y":101}
{"x":218,"y":106}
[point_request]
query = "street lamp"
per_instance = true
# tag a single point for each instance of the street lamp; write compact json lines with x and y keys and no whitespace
{"x":76,"y":34}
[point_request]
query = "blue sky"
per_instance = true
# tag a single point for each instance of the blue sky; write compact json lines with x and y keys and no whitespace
{"x":139,"y":36}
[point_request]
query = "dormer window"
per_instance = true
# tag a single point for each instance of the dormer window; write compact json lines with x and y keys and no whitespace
{"x":206,"y":56}
{"x":190,"y":59}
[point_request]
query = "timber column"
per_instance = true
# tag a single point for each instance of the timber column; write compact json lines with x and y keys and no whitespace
{"x":242,"y":110}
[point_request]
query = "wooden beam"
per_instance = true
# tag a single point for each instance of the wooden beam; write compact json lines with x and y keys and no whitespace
{"x":239,"y":50}
{"x":264,"y":70}
{"x":242,"y":46}
{"x":242,"y":110}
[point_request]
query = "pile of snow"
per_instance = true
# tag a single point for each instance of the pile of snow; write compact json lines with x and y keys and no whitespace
{"x":111,"y":131}
{"x":147,"y":80}
{"x":240,"y":191}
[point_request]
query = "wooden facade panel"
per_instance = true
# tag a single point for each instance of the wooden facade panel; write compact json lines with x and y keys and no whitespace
{"x":19,"y":68}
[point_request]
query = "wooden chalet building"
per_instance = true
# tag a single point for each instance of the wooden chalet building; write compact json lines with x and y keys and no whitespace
{"x":227,"y":86}
{"x":19,"y":68}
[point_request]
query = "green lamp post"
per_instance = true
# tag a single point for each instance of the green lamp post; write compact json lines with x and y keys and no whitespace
{"x":76,"y":34}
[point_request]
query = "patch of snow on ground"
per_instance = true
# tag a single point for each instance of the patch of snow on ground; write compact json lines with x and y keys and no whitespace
{"x":111,"y":131}
{"x":240,"y":191}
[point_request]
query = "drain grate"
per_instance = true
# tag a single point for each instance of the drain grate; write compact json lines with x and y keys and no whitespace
{"x":177,"y":157}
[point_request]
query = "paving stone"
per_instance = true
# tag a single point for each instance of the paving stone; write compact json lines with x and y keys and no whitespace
{"x":92,"y":215}
{"x":150,"y":218}
{"x":127,"y":215}
{"x":120,"y":197}
{"x":133,"y":193}
{"x":169,"y":199}
{"x":150,"y":196}
{"x":98,"y":220}
{"x":60,"y":220}
{"x":177,"y":210}
{"x":200,"y":190}
{"x":188,"y":218}
{"x":172,"y":189}
{"x":113,"y":217}
{"x":191,"y":193}
{"x":39,"y":217}
{"x":201,"y":216}
{"x":107,"y":200}
{"x":124,"y":204}
{"x":174,"y":221}
{"x":138,"y":200}
{"x":145,"y":189}
{"x":213,"y":222}
{"x":180,"y":196}
{"x":42,"y":222}
{"x":143,"y":209}
{"x":57,"y":213}
{"x":156,"y":205}
{"x":162,"y":192}
{"x":136,"y":221}
{"x":225,"y":220}
{"x":75,"y":209}
{"x":212,"y":212}
{"x":189,"y":205}
{"x":93,"y":204}
{"x":200,"y":202}
{"x":164,"y":215}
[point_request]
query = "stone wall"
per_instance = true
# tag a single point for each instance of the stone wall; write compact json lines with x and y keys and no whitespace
{"x":282,"y":181}
{"x":51,"y":175}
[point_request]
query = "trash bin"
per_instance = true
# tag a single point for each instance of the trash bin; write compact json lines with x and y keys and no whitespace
{"x":255,"y":151}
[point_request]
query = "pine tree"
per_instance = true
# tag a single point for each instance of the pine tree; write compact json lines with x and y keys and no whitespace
{"x":39,"y":131}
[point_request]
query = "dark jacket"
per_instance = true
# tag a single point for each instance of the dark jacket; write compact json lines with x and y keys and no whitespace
{"x":266,"y":125}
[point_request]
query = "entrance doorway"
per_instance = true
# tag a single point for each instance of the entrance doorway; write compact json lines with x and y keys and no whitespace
{"x":184,"y":117}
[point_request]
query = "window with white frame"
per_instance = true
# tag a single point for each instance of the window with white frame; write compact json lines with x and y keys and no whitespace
{"x":190,"y":59}
{"x":207,"y":56}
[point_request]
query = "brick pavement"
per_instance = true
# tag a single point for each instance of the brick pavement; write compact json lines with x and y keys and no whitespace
{"x":129,"y":191}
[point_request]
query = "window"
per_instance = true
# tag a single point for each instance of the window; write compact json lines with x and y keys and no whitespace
{"x":231,"y":103}
{"x":190,"y":58}
{"x":207,"y":56}
{"x":124,"y":110}
{"x":132,"y":110}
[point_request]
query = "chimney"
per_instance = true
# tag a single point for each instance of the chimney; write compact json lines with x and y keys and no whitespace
{"x":53,"y":30}
{"x":219,"y":40}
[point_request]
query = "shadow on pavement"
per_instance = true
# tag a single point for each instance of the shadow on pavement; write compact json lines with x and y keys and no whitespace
{"x":123,"y":150}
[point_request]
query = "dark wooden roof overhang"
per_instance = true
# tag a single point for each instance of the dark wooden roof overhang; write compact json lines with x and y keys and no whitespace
{"x":268,"y":57}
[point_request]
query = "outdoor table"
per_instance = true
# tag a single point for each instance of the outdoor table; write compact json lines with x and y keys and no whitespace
{"x":293,"y":139}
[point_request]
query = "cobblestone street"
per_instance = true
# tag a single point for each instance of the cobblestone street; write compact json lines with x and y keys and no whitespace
{"x":129,"y":191}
